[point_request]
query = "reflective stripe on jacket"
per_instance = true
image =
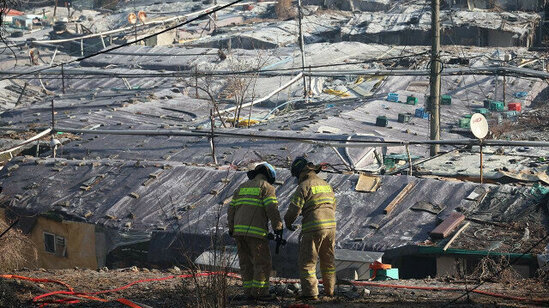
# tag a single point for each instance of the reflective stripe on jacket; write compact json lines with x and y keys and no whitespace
{"x":254,"y":204}
{"x":314,"y":199}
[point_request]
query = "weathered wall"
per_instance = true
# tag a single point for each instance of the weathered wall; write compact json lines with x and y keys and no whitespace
{"x":467,"y":35}
{"x":163,"y":39}
{"x":508,"y":5}
{"x":446,"y":266}
{"x":352,"y":5}
{"x":79,"y":239}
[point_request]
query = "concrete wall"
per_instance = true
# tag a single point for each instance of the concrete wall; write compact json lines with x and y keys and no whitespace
{"x":362,"y":269}
{"x":447,"y":266}
{"x":163,"y":39}
{"x":80,"y":245}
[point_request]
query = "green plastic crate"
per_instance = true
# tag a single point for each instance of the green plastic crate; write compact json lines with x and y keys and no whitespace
{"x":382,"y":121}
{"x":389,"y":163}
{"x":388,"y":274}
{"x":446,"y":100}
{"x":411,"y":100}
{"x":497,"y":106}
{"x":482,"y":111}
{"x":465,"y":123}
{"x":404,"y":117}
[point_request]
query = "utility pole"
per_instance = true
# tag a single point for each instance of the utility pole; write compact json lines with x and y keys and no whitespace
{"x":63,"y":78}
{"x":215,"y":13}
{"x":302,"y":47}
{"x":434,"y":81}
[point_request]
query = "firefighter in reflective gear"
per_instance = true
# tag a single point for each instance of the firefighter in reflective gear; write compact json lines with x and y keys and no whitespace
{"x":314,"y":199}
{"x":254,"y":203}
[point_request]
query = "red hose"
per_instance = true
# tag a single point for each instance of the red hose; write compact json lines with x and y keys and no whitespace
{"x":41,"y":299}
{"x":37,"y":280}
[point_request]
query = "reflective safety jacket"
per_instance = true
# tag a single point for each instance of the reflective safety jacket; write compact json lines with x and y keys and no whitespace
{"x":314,"y":199}
{"x":254,"y":204}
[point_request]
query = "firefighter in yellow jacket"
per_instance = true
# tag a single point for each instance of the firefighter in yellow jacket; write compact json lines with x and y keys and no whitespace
{"x":254,"y":204}
{"x":314,"y":199}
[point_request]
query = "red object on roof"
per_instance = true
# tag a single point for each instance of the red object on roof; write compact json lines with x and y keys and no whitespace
{"x":12,"y":12}
{"x":515,"y":106}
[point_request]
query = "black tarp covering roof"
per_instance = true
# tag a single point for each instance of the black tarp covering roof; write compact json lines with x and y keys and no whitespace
{"x":181,"y":207}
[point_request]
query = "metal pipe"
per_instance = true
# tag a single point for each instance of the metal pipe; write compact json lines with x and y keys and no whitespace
{"x":410,"y":167}
{"x":333,"y":141}
{"x":284,"y":86}
{"x":521,"y":72}
{"x":38,"y":136}
{"x":481,"y":165}
{"x":342,"y":159}
{"x":212,"y":143}
{"x":302,"y":47}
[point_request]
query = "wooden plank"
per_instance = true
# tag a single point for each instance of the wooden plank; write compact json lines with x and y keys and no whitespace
{"x":447,"y":226}
{"x":367,"y":183}
{"x":455,"y":236}
{"x":389,"y":208}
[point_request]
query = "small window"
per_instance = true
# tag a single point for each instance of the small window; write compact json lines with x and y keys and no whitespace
{"x":49,"y":242}
{"x":55,"y":244}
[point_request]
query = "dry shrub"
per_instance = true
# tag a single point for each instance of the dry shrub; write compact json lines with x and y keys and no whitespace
{"x":206,"y":292}
{"x":501,"y":129}
{"x":493,"y":269}
{"x":17,"y":249}
{"x":542,"y":275}
{"x":284,"y":10}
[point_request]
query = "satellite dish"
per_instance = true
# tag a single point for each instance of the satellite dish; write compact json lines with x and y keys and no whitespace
{"x":479,"y":126}
{"x":142,"y":16}
{"x":132,"y":18}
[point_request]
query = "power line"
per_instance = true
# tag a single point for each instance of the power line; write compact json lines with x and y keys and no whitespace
{"x":131,"y":42}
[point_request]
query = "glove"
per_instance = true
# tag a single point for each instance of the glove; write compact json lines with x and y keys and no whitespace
{"x":290,"y":227}
{"x":279,"y":233}
{"x":231,"y":233}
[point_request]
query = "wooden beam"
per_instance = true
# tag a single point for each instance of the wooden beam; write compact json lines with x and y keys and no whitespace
{"x":455,"y":236}
{"x":447,"y":226}
{"x":21,"y":94}
{"x":389,"y":208}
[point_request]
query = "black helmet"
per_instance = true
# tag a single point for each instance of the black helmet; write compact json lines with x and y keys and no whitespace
{"x":265,"y":169}
{"x":298,"y":165}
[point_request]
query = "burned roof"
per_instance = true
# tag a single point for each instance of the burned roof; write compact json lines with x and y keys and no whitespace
{"x":135,"y":196}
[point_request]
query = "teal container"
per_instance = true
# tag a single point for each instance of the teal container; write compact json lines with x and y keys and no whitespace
{"x":411,"y":100}
{"x":382,"y":121}
{"x":389,"y":163}
{"x":497,"y":106}
{"x":388,"y":274}
{"x":482,"y":111}
{"x":446,"y":100}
